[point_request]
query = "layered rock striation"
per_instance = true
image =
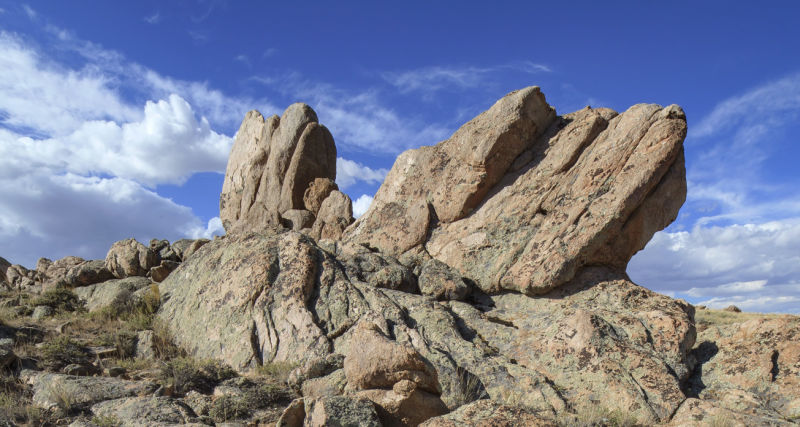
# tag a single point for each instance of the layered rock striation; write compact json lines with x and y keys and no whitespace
{"x":520,"y":199}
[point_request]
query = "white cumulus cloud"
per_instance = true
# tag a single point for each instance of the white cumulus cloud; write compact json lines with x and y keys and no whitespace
{"x":756,"y":264}
{"x":361,"y":205}
{"x":348,"y":172}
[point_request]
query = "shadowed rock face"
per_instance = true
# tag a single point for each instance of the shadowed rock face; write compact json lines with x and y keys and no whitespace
{"x":271,"y":165}
{"x":521,"y":199}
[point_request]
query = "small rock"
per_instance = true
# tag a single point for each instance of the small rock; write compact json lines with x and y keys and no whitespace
{"x":160,"y":272}
{"x":144,"y":345}
{"x":732,"y":308}
{"x":81,"y":370}
{"x":297,"y":219}
{"x":317,"y":192}
{"x":335,"y":214}
{"x":42,"y":311}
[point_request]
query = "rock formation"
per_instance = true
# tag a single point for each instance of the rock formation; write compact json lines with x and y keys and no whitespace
{"x":485,"y":285}
{"x":520,"y":199}
{"x":272,"y":165}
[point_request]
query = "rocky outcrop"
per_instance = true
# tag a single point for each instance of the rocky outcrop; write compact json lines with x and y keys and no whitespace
{"x":260,"y":298}
{"x":750,"y":367}
{"x":272,"y":164}
{"x":118,"y":291}
{"x":130,"y":258}
{"x":489,"y":413}
{"x":520,"y":199}
{"x":414,"y":295}
{"x":50,"y":390}
{"x":330,"y":411}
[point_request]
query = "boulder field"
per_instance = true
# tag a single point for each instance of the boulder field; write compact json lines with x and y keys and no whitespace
{"x":485,"y":285}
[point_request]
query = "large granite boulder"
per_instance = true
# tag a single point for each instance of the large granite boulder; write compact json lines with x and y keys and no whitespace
{"x":272,"y":164}
{"x":257,"y":298}
{"x":521,"y":199}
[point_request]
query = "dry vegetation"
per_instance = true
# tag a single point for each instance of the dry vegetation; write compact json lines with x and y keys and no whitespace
{"x":712,"y":317}
{"x":107,"y":338}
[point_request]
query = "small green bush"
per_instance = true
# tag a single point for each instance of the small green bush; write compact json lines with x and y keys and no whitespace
{"x":124,"y":341}
{"x":255,"y":396}
{"x":61,"y":352}
{"x":138,"y":313}
{"x":106,"y":421}
{"x":227,"y":408}
{"x":185,"y":374}
{"x":61,"y":299}
{"x":278,"y":370}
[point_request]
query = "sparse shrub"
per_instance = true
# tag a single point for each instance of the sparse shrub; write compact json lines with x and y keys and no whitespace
{"x":123,"y":341}
{"x":62,"y":397}
{"x":163,"y":344}
{"x":61,"y":299}
{"x":106,"y":421}
{"x":469,"y":389}
{"x":277,"y":370}
{"x":185,"y":374}
{"x":598,"y":416}
{"x":254,"y":396}
{"x":61,"y":352}
{"x":227,"y":408}
{"x":138,"y":313}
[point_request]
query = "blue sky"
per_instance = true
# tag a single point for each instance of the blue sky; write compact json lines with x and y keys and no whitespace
{"x":116,"y":118}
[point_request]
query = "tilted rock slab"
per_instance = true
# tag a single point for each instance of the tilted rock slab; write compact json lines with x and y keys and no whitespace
{"x":251,"y":299}
{"x":521,"y":199}
{"x":272,"y":163}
